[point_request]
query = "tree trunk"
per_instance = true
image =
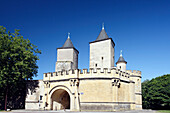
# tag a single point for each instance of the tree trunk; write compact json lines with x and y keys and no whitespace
{"x":6,"y":93}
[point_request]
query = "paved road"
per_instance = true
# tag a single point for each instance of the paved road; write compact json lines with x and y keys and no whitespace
{"x":132,"y":111}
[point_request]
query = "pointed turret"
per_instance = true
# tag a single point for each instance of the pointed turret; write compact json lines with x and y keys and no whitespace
{"x":121,"y":59}
{"x":121,"y":63}
{"x":102,"y":51}
{"x":67,"y":56}
{"x":68,"y":43}
{"x":103,"y":34}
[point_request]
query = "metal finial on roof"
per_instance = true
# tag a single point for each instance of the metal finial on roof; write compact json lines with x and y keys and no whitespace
{"x":103,"y":25}
{"x":68,"y":35}
{"x":121,"y":59}
{"x":68,"y":43}
{"x":120,"y":52}
{"x":103,"y":34}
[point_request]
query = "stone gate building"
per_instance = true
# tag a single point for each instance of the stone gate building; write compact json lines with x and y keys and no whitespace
{"x":105,"y":87}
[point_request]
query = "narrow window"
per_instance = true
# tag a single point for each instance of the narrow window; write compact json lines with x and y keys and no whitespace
{"x":120,"y":67}
{"x":41,"y":97}
{"x":96,"y":65}
{"x":102,"y":58}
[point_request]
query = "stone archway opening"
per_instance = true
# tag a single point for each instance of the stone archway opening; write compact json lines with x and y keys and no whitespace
{"x":60,"y":100}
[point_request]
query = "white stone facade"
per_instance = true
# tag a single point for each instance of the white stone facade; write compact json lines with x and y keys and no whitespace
{"x":35,"y":93}
{"x":102,"y":54}
{"x":104,"y":87}
{"x":66,"y":59}
{"x":121,"y":66}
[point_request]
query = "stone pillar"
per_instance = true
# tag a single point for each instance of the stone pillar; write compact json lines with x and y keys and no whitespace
{"x":77,"y":95}
{"x":132,"y":95}
{"x":115,"y":85}
{"x":75,"y":104}
{"x":47,"y":100}
{"x":72,"y":102}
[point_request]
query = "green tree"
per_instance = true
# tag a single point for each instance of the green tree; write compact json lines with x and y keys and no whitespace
{"x":18,"y":58}
{"x":156,"y":93}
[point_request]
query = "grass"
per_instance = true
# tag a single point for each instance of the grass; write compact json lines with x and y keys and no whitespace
{"x":164,"y":111}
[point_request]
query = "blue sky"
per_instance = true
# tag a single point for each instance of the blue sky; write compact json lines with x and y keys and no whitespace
{"x":141,"y":28}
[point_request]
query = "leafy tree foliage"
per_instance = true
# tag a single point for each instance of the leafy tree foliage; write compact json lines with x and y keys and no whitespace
{"x":18,"y":58}
{"x":156,"y":93}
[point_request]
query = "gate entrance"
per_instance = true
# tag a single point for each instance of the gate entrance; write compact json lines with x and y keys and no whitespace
{"x":60,"y":100}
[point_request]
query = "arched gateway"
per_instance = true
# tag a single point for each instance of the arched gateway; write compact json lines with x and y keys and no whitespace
{"x":60,"y":99}
{"x":105,"y":87}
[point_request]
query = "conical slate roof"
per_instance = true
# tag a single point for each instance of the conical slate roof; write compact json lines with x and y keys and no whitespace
{"x":121,"y":59}
{"x":102,"y":35}
{"x":68,"y":44}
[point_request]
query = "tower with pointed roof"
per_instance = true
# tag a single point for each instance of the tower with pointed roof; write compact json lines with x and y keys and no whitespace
{"x":102,"y":51}
{"x":67,"y":56}
{"x":121,"y":63}
{"x":104,"y":87}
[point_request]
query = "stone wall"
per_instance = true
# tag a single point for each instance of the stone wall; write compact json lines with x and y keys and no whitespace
{"x":66,"y":59}
{"x":98,"y":89}
{"x":34,"y":95}
{"x":111,"y":88}
{"x":102,"y":54}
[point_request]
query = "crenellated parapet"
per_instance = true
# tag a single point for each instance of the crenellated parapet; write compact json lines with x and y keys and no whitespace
{"x":61,"y":75}
{"x":91,"y":73}
{"x":134,"y":73}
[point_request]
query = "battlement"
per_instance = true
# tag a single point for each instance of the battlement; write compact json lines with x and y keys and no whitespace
{"x":134,"y":71}
{"x":85,"y":73}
